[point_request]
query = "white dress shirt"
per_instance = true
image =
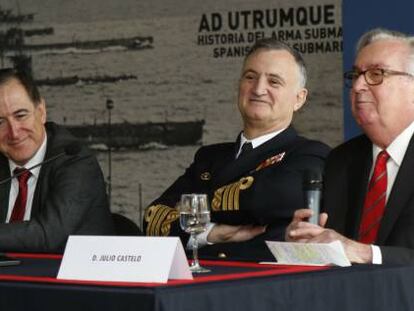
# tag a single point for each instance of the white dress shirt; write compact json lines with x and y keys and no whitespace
{"x":256,"y":142}
{"x":31,"y":183}
{"x":396,"y":150}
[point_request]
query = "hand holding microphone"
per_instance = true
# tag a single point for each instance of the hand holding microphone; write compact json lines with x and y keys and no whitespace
{"x":312,"y":188}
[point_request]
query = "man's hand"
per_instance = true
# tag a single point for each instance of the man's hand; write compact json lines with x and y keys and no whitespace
{"x":299,"y":230}
{"x":222,"y":233}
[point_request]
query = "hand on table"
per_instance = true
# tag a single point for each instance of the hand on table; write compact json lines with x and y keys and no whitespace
{"x":299,"y":230}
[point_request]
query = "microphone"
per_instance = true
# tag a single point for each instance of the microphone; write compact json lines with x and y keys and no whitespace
{"x":312,"y":187}
{"x":72,"y":149}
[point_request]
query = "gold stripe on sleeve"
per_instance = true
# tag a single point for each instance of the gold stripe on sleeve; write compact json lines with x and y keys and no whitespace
{"x":227,"y":198}
{"x":159,"y":218}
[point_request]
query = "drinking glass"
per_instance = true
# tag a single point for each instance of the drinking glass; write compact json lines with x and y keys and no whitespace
{"x":194,"y":218}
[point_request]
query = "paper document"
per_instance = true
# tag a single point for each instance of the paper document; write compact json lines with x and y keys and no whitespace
{"x":309,"y":253}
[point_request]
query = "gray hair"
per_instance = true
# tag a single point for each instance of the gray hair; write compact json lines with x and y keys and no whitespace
{"x":379,"y":34}
{"x":276,"y":45}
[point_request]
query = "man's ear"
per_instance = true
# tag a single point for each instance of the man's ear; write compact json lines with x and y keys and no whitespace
{"x":41,"y":108}
{"x":300,"y":99}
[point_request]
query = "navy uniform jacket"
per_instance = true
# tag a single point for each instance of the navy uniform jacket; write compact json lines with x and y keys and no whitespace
{"x":346,"y":182}
{"x":263,"y":187}
{"x":69,"y":198}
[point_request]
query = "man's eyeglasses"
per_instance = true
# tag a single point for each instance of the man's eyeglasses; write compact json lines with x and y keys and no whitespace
{"x":373,"y":76}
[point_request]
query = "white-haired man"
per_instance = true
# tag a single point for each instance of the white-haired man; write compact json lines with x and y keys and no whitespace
{"x":369,"y":193}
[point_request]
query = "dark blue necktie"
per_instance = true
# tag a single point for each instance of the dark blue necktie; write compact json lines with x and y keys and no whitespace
{"x":246,"y":148}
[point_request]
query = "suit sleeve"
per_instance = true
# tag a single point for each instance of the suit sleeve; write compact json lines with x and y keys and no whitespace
{"x":398,"y":248}
{"x":397,"y":255}
{"x":70,"y":198}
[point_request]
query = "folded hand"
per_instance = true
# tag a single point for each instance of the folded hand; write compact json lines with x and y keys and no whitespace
{"x":222,"y":233}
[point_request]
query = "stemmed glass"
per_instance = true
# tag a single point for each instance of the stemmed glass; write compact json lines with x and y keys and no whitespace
{"x":194,"y":218}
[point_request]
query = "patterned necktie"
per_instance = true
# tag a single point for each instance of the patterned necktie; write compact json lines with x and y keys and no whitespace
{"x":20,"y":204}
{"x":374,"y":204}
{"x":245,"y":149}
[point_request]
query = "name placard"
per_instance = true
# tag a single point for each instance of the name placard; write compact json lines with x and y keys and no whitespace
{"x":124,"y":259}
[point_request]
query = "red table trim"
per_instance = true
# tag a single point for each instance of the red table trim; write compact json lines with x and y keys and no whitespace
{"x":35,"y":256}
{"x":265,"y":270}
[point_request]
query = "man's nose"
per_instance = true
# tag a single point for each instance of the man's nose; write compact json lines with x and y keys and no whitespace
{"x":13,"y":129}
{"x":260,"y":87}
{"x":359,"y":84}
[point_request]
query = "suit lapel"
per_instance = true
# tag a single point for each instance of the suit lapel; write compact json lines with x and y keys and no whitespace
{"x":43,"y":173}
{"x":250,"y":161}
{"x":401,"y":193}
{"x":4,"y":189}
{"x":358,"y":183}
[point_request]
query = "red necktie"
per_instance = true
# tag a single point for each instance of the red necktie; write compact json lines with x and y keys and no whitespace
{"x":374,"y":204}
{"x":20,"y":204}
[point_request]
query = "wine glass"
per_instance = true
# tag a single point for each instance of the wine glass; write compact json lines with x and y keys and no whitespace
{"x":194,"y":218}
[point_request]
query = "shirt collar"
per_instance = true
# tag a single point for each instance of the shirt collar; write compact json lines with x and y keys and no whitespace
{"x":398,"y":147}
{"x":256,"y":142}
{"x":36,"y":159}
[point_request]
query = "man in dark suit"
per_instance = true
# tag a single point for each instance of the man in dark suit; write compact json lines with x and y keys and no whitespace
{"x":369,"y":192}
{"x":253,"y":193}
{"x":63,"y":197}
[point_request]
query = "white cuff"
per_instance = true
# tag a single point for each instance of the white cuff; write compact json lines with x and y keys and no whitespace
{"x":202,"y":237}
{"x":376,"y":255}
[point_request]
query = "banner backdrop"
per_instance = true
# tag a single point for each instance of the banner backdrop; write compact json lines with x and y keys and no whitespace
{"x":155,"y":79}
